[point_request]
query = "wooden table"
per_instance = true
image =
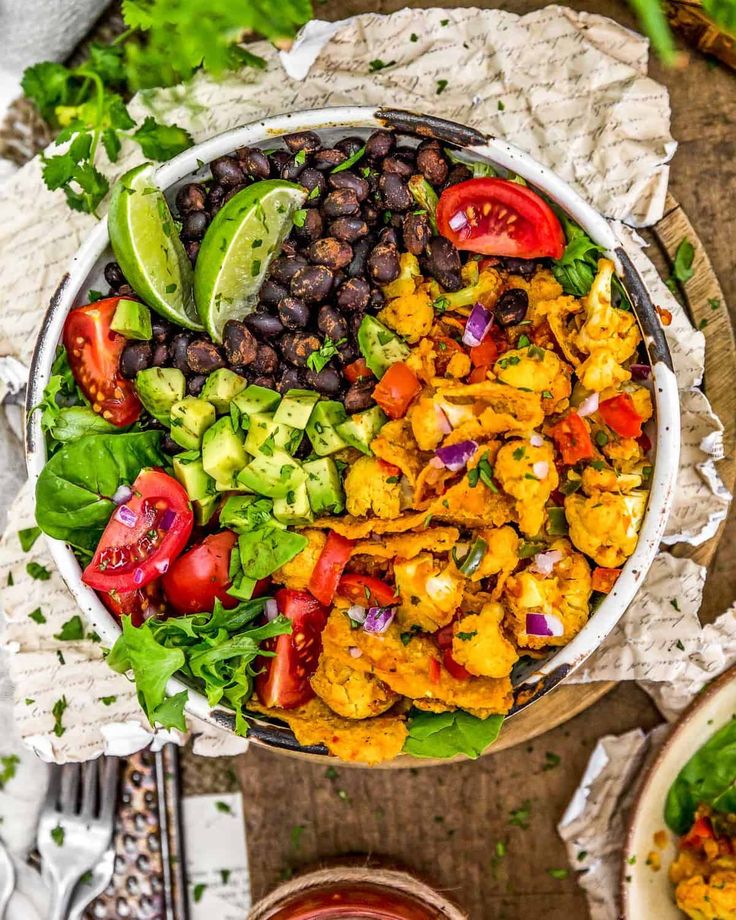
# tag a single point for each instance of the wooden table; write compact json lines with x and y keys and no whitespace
{"x":445,"y":821}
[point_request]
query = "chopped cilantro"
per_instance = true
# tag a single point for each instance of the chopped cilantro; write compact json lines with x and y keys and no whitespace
{"x":37,"y":616}
{"x":38,"y":571}
{"x":519,"y":817}
{"x":441,"y":87}
{"x":28,"y":537}
{"x":57,"y":835}
{"x":58,"y":710}
{"x":223,"y":807}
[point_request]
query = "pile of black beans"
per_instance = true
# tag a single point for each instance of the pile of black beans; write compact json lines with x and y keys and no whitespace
{"x":331,"y":268}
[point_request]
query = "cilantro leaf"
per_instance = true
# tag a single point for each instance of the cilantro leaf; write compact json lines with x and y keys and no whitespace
{"x":318,"y":360}
{"x":71,"y":631}
{"x":49,"y":85}
{"x":161,"y":142}
{"x":28,"y":537}
{"x":446,"y":734}
{"x":9,"y":765}
{"x":57,"y":711}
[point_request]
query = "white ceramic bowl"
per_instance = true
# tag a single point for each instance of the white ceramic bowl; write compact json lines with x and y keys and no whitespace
{"x":531,"y":680}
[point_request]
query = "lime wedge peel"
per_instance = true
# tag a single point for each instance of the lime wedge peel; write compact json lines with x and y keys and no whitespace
{"x":237,"y":249}
{"x":147,"y":247}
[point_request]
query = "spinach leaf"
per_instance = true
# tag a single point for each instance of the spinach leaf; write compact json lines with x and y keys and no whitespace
{"x":445,"y":734}
{"x":72,"y":422}
{"x":266,"y":549}
{"x":709,"y":777}
{"x":74,"y":491}
{"x":682,"y":267}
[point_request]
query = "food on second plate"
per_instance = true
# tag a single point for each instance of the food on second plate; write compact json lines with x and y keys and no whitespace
{"x":406,"y":453}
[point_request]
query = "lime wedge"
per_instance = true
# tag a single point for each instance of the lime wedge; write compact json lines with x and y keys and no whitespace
{"x":148,"y":249}
{"x":237,"y":249}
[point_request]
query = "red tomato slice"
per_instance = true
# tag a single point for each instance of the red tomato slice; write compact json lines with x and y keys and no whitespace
{"x":458,"y":671}
{"x":367,"y":591}
{"x":701,"y":830}
{"x":603,"y":580}
{"x":497,"y":217}
{"x":396,"y":389}
{"x":478,"y":374}
{"x":143,"y":537}
{"x":94,"y":353}
{"x":139,"y":605}
{"x":445,"y":348}
{"x":572,"y":438}
{"x":620,"y":414}
{"x":329,"y":568}
{"x":485,"y":354}
{"x":284,"y":681}
{"x":202,"y":575}
{"x":358,"y":370}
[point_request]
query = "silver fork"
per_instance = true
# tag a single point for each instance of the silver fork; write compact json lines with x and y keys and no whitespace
{"x":76,"y":826}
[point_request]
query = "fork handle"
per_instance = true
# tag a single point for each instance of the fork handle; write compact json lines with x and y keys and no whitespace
{"x":60,"y":898}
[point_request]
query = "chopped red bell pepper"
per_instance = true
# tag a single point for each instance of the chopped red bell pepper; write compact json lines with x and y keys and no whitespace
{"x":572,"y":438}
{"x":620,"y":414}
{"x":458,"y":671}
{"x":435,"y":670}
{"x":396,"y":389}
{"x":604,"y":579}
{"x":358,"y":370}
{"x":701,"y":830}
{"x":367,"y":591}
{"x":329,"y":568}
{"x":485,"y":354}
{"x":478,"y":374}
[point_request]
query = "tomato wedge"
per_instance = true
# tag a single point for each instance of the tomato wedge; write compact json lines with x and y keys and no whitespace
{"x":94,"y":353}
{"x":572,"y":438}
{"x":701,"y":830}
{"x":284,"y":681}
{"x":603,"y":580}
{"x":620,"y":414}
{"x":139,"y":605}
{"x":358,"y":370}
{"x":497,"y":217}
{"x":445,"y":349}
{"x":143,"y":536}
{"x":485,"y":354}
{"x":396,"y":389}
{"x":329,"y":568}
{"x":202,"y":575}
{"x":367,"y":591}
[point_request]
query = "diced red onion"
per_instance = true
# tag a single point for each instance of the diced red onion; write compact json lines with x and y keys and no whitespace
{"x":138,"y":577}
{"x":161,"y":566}
{"x":150,"y":612}
{"x":355,"y":652}
{"x":544,"y":624}
{"x":443,"y":422}
{"x":541,"y":468}
{"x":544,"y":563}
{"x":436,"y":463}
{"x":589,"y":405}
{"x":455,"y":457}
{"x":536,"y":440}
{"x":379,"y":619}
{"x":478,"y":325}
{"x":122,"y":494}
{"x":640,"y":371}
{"x":167,"y":519}
{"x":458,"y":220}
{"x":271,"y":609}
{"x":126,"y":516}
{"x":357,"y":613}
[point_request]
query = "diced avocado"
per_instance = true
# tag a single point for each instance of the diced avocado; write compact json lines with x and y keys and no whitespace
{"x":230,"y":485}
{"x":265,"y":435}
{"x":233,"y":512}
{"x":204,"y":508}
{"x":321,"y":427}
{"x":324,"y":486}
{"x":158,"y":389}
{"x":190,"y":473}
{"x":360,"y":429}
{"x":190,"y":418}
{"x":221,"y":387}
{"x":294,"y":507}
{"x":274,"y":475}
{"x":132,"y":319}
{"x":380,"y":346}
{"x":296,"y":407}
{"x":254,"y":399}
{"x":223,"y":455}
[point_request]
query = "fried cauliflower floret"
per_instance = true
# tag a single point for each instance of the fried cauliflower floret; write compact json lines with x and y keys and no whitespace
{"x":351,"y":694}
{"x":623,"y":451}
{"x":539,"y":370}
{"x":605,"y":525}
{"x":479,"y":643}
{"x":395,"y":444}
{"x":458,"y":365}
{"x":367,"y":490}
{"x":422,"y":360}
{"x":409,"y":277}
{"x":714,"y":899}
{"x":604,"y":324}
{"x":430,"y":592}
{"x":430,"y":420}
{"x":601,"y":371}
{"x":642,"y":399}
{"x":297,"y":571}
{"x":478,"y":410}
{"x":609,"y":480}
{"x":502,"y":555}
{"x":564,"y":594}
{"x":410,"y":315}
{"x":528,"y":473}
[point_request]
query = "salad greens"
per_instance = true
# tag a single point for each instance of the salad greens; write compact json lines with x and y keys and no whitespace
{"x":576,"y":269}
{"x":216,"y":650}
{"x":445,"y":734}
{"x":74,"y":493}
{"x":709,"y":777}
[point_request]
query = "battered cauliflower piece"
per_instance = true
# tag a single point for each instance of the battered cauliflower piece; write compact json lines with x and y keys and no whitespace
{"x":410,"y":315}
{"x":367,"y":490}
{"x":502,"y":555}
{"x":478,"y":410}
{"x":409,"y":277}
{"x":297,"y":571}
{"x":529,"y":474}
{"x":472,"y":506}
{"x":711,"y":899}
{"x":409,"y":545}
{"x":459,"y":365}
{"x":605,"y":525}
{"x":430,"y":421}
{"x":422,"y":360}
{"x":430,"y":593}
{"x":605,"y":325}
{"x":609,"y":480}
{"x":485,"y":289}
{"x":351,"y":694}
{"x":642,"y":400}
{"x":539,"y":370}
{"x":601,"y":371}
{"x":623,"y":451}
{"x":561,"y":315}
{"x":479,"y":643}
{"x":395,"y":444}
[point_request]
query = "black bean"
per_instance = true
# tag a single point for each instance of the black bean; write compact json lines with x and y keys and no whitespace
{"x":312,"y":179}
{"x":215,"y":197}
{"x":312,"y":226}
{"x":302,"y":140}
{"x":284,"y":268}
{"x":377,"y":300}
{"x":347,"y":353}
{"x":254,"y":162}
{"x":292,"y":378}
{"x":192,"y":250}
{"x":178,"y":351}
{"x":125,"y":290}
{"x":312,"y":283}
{"x":226,"y":170}
{"x":291,"y":170}
{"x":354,"y":295}
{"x":114,"y":275}
{"x":359,"y":396}
{"x":296,"y":347}
{"x":328,"y":159}
{"x":161,"y":328}
{"x":523,"y":267}
{"x":194,"y":225}
{"x":341,"y":203}
{"x":379,"y":145}
{"x":160,"y":355}
{"x":371,"y":213}
{"x":326,"y":381}
{"x":349,"y":180}
{"x":431,"y":163}
{"x":191,"y":197}
{"x":169,"y":445}
{"x":396,"y":194}
{"x":397,"y":166}
{"x":267,"y":361}
{"x":389,"y":235}
{"x":293,"y":312}
{"x":406,"y":152}
{"x":279,"y":159}
{"x":195,"y":384}
{"x":239,"y":344}
{"x":349,"y":229}
{"x":443,"y":263}
{"x":350,"y":145}
{"x":304,"y":449}
{"x":360,"y":256}
{"x":265,"y":380}
{"x":383,"y":263}
{"x":204,"y":357}
{"x":512,"y":306}
{"x":329,"y":322}
{"x":232,"y":192}
{"x":417,"y":232}
{"x":136,"y":356}
{"x":354,"y":321}
{"x":333,"y":253}
{"x":264,"y":325}
{"x":459,"y":173}
{"x":271,"y":292}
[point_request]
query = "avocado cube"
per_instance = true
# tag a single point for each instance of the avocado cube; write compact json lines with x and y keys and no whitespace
{"x":223,"y":455}
{"x":324,"y":486}
{"x":158,"y":389}
{"x":254,"y":400}
{"x":189,"y":471}
{"x":273,"y":475}
{"x":360,"y":429}
{"x":132,"y":319}
{"x":321,"y":427}
{"x":296,"y":407}
{"x":221,"y":387}
{"x":234,"y":511}
{"x":190,"y":418}
{"x":380,"y":346}
{"x":294,"y":507}
{"x":204,"y":508}
{"x":265,"y":434}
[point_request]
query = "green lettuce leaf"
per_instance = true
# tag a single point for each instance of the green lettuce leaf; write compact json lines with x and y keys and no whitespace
{"x":445,"y":734}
